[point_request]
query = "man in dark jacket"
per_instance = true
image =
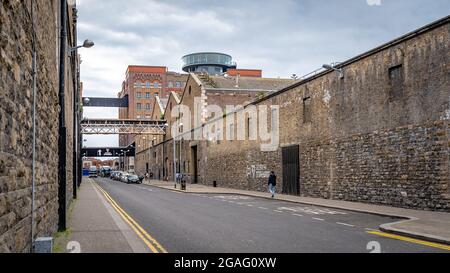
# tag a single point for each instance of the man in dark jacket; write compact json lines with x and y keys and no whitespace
{"x":272,"y":183}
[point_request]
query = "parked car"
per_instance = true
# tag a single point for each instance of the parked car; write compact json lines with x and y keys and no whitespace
{"x":113,"y":174}
{"x":118,"y":175}
{"x":141,"y":178}
{"x":105,"y":171}
{"x":132,"y":178}
{"x":124,"y":177}
{"x":93,"y":171}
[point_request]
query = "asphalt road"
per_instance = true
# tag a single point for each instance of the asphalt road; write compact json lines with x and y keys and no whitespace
{"x":202,"y":223}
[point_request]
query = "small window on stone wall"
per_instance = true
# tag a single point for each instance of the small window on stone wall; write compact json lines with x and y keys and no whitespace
{"x":396,"y":82}
{"x":307,"y":110}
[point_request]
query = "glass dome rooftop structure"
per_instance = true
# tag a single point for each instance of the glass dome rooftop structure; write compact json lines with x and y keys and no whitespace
{"x":210,"y":62}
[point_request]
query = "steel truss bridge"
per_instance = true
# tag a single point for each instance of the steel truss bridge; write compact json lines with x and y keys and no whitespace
{"x":122,"y":127}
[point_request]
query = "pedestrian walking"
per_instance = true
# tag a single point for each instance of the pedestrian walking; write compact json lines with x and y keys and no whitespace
{"x":272,"y":183}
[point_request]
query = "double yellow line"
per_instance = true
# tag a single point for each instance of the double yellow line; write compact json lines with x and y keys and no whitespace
{"x":410,"y":240}
{"x":151,"y":242}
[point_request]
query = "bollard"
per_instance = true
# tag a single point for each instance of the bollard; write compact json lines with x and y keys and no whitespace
{"x":215,"y":184}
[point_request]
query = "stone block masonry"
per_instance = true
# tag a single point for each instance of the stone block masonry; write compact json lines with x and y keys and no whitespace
{"x":380,"y":135}
{"x":16,"y":99}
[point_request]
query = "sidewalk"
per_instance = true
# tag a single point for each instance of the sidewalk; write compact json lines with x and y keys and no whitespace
{"x":426,"y":225}
{"x":97,"y":227}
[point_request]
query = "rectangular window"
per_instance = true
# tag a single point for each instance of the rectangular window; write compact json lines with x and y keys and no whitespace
{"x":139,"y":106}
{"x":170,"y":84}
{"x":178,"y":84}
{"x":138,"y":95}
{"x":147,"y":95}
{"x":147,"y":106}
{"x":251,"y":129}
{"x":274,"y":118}
{"x":396,"y":82}
{"x":307,"y":110}
{"x":231,"y":132}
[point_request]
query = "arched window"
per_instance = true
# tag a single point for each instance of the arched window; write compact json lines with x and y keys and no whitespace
{"x":148,"y":85}
{"x":155,"y":85}
{"x":137,"y":84}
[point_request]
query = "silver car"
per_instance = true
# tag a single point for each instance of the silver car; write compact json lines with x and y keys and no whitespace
{"x":124,"y":177}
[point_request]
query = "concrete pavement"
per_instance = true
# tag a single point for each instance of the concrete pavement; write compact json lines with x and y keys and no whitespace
{"x":95,"y":227}
{"x":426,"y":225}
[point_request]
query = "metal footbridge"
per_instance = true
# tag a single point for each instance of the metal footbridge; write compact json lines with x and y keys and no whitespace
{"x":123,"y":127}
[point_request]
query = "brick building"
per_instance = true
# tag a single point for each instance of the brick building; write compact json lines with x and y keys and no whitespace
{"x":54,"y":189}
{"x":142,"y":85}
{"x":157,"y":156}
{"x":379,"y":134}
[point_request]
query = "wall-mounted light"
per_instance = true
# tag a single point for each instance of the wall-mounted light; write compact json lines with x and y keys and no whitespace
{"x":86,"y":44}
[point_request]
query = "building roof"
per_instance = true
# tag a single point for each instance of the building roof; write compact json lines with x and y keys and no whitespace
{"x":146,"y":69}
{"x":243,"y":83}
{"x":175,"y":96}
{"x":162,"y":103}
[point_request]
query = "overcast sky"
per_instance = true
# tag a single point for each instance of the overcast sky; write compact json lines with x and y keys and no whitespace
{"x":281,"y":37}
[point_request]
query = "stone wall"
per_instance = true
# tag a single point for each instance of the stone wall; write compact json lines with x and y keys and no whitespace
{"x":16,"y":123}
{"x":380,"y":135}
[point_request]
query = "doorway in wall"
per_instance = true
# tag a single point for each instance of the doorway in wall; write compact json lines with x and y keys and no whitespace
{"x":291,"y":170}
{"x":194,"y":163}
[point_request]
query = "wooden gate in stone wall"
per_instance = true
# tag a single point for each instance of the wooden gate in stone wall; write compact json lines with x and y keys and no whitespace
{"x":291,"y":170}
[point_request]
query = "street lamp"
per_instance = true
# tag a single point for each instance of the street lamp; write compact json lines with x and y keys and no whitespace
{"x":333,"y":67}
{"x":86,"y":44}
{"x":125,"y":160}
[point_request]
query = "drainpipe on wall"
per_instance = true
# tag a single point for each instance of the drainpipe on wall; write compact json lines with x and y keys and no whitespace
{"x":62,"y":124}
{"x":33,"y":171}
{"x":75,"y":172}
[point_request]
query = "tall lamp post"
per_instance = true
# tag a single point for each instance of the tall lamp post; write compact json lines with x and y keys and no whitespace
{"x":125,"y":159}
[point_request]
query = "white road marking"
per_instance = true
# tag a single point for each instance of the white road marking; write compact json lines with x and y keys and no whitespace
{"x":299,"y":215}
{"x":344,"y":224}
{"x":319,"y":219}
{"x":249,"y":205}
{"x":278,"y":211}
{"x":145,"y":189}
{"x":312,"y":210}
{"x":262,"y":208}
{"x":233,"y":197}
